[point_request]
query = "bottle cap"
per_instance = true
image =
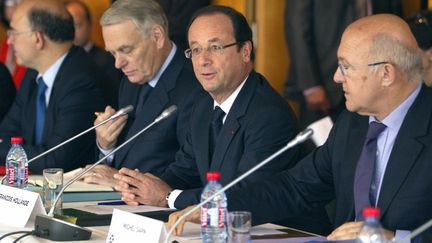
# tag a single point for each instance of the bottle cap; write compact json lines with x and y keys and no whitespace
{"x":213,"y":176}
{"x":371,"y":212}
{"x":16,"y":140}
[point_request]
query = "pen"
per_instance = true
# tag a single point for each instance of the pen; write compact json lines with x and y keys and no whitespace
{"x":111,"y":203}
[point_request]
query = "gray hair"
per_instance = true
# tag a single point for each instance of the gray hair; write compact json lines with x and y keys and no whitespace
{"x":407,"y":59}
{"x":143,"y":13}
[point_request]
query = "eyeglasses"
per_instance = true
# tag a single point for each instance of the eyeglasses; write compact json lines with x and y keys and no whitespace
{"x":212,"y":49}
{"x":13,"y":33}
{"x":344,"y":68}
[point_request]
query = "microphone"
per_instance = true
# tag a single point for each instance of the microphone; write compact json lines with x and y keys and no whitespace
{"x":121,"y":112}
{"x":44,"y":223}
{"x":300,"y":138}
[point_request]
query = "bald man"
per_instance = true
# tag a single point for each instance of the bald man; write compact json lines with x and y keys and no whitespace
{"x":58,"y":95}
{"x":380,"y":70}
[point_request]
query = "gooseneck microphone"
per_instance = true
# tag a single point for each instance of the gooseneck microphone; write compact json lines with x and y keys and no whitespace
{"x":300,"y":138}
{"x":121,"y":112}
{"x":45,"y":223}
{"x":168,"y":111}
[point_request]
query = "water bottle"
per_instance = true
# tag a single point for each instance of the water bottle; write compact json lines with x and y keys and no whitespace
{"x":371,"y":231}
{"x":16,"y":164}
{"x":214,"y":213}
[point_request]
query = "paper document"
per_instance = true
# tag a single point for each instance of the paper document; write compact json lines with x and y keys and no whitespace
{"x":321,"y":130}
{"x":78,"y":186}
{"x":194,"y":233}
{"x":108,"y":209}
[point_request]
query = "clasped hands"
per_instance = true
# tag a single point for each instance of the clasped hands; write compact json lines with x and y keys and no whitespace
{"x":141,"y":188}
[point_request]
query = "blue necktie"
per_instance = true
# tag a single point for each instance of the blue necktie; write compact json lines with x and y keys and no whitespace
{"x":40,"y":110}
{"x":143,"y":95}
{"x":365,"y":169}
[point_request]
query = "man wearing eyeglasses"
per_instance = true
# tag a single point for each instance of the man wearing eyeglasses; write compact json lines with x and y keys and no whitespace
{"x":238,"y":124}
{"x":58,"y":95}
{"x":378,"y":153}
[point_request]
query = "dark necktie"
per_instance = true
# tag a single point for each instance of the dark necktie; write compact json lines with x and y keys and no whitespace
{"x":143,"y":95}
{"x":40,"y":110}
{"x":365,"y":169}
{"x":215,"y":127}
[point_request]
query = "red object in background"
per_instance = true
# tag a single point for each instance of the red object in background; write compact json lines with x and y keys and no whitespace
{"x":19,"y":71}
{"x":2,"y":170}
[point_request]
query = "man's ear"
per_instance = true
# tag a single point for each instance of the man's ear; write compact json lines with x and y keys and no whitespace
{"x":39,"y":39}
{"x":387,"y":74}
{"x":158,"y":35}
{"x":246,"y":51}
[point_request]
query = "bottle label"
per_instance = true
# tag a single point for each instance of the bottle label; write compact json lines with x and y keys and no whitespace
{"x":26,"y":174}
{"x":204,"y":217}
{"x":221,"y":218}
{"x":11,"y":175}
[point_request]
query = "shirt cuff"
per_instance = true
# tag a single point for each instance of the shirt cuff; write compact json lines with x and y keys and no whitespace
{"x":172,"y":197}
{"x":400,"y":234}
{"x":104,"y":152}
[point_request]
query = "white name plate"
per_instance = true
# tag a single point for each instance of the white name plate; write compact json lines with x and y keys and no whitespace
{"x":19,"y":207}
{"x":129,"y":227}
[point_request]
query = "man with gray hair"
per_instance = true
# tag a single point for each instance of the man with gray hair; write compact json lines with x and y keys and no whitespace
{"x":157,"y":75}
{"x":378,"y":153}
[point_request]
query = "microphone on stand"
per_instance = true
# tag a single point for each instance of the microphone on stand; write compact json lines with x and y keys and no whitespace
{"x":121,"y":112}
{"x":300,"y":138}
{"x":56,"y":227}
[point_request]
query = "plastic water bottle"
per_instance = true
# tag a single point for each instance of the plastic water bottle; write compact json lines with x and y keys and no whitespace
{"x":371,"y":231}
{"x":214,"y":213}
{"x":16,"y":164}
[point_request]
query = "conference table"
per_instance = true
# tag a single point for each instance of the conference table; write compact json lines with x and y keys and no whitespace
{"x":99,"y":233}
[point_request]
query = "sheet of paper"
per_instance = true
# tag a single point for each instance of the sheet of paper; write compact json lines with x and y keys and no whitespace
{"x":78,"y":186}
{"x":293,"y":240}
{"x":321,"y":130}
{"x":108,"y":209}
{"x":194,"y":233}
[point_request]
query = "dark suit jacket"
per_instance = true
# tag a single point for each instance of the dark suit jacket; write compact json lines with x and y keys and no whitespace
{"x":259,"y":123}
{"x":406,"y":194}
{"x":153,"y":150}
{"x":74,"y":99}
{"x":111,"y":83}
{"x":7,"y":90}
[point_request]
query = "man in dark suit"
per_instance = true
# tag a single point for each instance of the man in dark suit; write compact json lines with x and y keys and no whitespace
{"x":157,"y":76}
{"x":58,"y":98}
{"x":255,"y":121}
{"x":103,"y":59}
{"x":380,"y":71}
{"x":7,"y":90}
{"x":313,"y":33}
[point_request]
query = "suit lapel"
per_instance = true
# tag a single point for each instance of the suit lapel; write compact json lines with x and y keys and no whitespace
{"x":201,"y":128}
{"x":31,"y":108}
{"x":157,"y":101}
{"x":406,"y":149}
{"x":232,"y":121}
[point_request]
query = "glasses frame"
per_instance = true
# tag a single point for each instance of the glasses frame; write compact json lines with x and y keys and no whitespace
{"x":344,"y":70}
{"x":13,"y":33}
{"x":210,"y":49}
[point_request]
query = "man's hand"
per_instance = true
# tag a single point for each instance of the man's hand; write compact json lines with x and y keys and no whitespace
{"x":107,"y":134}
{"x":350,"y":231}
{"x":101,"y":175}
{"x":193,"y":217}
{"x":137,"y":188}
{"x":316,"y":99}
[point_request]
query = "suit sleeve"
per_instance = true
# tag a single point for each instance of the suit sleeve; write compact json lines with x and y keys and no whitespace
{"x":299,"y":34}
{"x":307,"y":186}
{"x":269,"y":129}
{"x":7,"y":91}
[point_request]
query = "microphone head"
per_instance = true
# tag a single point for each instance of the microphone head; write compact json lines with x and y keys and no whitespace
{"x":304,"y":135}
{"x":167,"y":112}
{"x":126,"y":110}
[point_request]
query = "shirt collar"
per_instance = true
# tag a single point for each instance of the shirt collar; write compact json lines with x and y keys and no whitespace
{"x":396,"y":117}
{"x":51,"y":73}
{"x":227,"y":104}
{"x":164,"y":66}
